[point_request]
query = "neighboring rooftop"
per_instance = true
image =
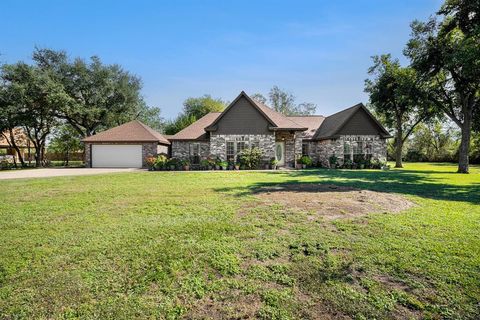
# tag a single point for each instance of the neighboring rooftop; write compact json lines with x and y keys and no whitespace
{"x":133,"y":131}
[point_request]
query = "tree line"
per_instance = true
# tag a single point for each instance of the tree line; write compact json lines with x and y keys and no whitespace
{"x":441,"y":82}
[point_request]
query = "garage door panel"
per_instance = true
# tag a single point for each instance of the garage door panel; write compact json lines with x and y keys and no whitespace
{"x":116,"y":156}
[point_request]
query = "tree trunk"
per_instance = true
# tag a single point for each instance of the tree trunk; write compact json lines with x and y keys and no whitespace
{"x":466,"y":127}
{"x":38,"y":153}
{"x":38,"y":158}
{"x":398,"y":145}
{"x":463,"y":162}
{"x":17,"y":149}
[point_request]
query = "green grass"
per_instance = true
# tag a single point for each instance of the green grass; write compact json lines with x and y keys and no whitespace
{"x":195,"y":245}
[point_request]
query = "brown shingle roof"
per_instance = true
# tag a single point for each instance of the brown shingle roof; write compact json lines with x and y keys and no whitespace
{"x":280,"y":121}
{"x":133,"y":131}
{"x":311,"y":122}
{"x":333,"y":123}
{"x":196,"y":131}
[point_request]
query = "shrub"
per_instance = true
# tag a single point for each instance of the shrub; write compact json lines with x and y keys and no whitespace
{"x":273,"y":161}
{"x":347,"y":163}
{"x":359,"y":159}
{"x":150,"y":161}
{"x":172,"y":162}
{"x":184,"y":163}
{"x":161,"y":162}
{"x":223,"y":164}
{"x":415,"y":156}
{"x":251,"y":157}
{"x":306,"y":160}
{"x":204,"y":163}
{"x":211,"y":160}
{"x":333,"y":160}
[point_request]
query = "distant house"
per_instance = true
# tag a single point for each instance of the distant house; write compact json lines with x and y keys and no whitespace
{"x":246,"y":123}
{"x":21,"y":140}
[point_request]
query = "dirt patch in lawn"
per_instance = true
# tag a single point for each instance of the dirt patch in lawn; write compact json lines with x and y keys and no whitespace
{"x":229,"y":305}
{"x":330,"y":201}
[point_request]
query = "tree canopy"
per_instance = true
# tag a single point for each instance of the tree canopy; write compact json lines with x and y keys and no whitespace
{"x":397,"y":95}
{"x":445,"y":50}
{"x":284,"y":102}
{"x":194,"y":109}
{"x":99,"y":96}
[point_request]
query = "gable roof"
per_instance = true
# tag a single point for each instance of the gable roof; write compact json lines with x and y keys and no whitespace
{"x":312,"y":123}
{"x":276,"y":119}
{"x":133,"y":131}
{"x":315,"y":127}
{"x":332,"y":124}
{"x":196,"y":131}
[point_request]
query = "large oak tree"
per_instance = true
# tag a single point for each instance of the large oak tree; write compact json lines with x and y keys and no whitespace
{"x":397,"y":95}
{"x":33,"y":96}
{"x":99,"y":96}
{"x":446,"y":52}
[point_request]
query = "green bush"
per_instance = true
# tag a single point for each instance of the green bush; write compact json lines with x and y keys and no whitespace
{"x":161,"y":162}
{"x":333,"y":160}
{"x":204,"y":164}
{"x":172,"y":162}
{"x":306,"y":160}
{"x":251,"y":157}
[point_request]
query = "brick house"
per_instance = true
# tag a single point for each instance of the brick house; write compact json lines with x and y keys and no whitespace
{"x":246,"y":123}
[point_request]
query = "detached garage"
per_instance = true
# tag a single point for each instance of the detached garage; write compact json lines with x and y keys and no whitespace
{"x":125,"y":146}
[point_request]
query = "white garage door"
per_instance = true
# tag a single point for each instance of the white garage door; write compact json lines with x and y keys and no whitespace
{"x":116,"y":156}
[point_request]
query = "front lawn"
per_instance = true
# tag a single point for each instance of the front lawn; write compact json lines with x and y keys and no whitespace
{"x":215,"y":245}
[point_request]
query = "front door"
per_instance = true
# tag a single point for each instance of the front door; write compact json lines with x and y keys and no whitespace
{"x":280,"y":152}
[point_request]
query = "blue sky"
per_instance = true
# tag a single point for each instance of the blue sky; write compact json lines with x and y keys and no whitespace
{"x":318,"y":50}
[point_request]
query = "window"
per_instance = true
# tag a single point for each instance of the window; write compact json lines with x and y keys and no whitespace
{"x":358,"y":147}
{"x":234,"y":148}
{"x":195,"y":153}
{"x":230,"y":150}
{"x":240,"y":146}
{"x":305,"y":150}
{"x":347,"y":154}
{"x":368,"y":150}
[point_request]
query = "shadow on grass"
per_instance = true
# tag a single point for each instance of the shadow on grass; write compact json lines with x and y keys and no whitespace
{"x":409,"y":182}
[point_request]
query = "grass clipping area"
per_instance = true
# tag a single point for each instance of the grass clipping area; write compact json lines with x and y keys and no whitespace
{"x":314,"y":244}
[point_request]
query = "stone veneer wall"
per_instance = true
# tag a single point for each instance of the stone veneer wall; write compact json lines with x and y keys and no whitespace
{"x":266,"y":142}
{"x":293,"y":146}
{"x":149,"y":149}
{"x":313,"y":151}
{"x":181,"y":149}
{"x":326,"y":148}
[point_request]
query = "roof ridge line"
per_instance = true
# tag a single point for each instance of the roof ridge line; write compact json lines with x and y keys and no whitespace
{"x":356,"y":105}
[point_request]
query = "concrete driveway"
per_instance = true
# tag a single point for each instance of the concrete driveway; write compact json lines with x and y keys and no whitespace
{"x":59,"y":172}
